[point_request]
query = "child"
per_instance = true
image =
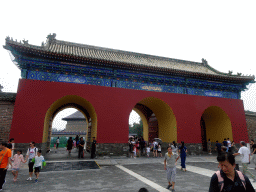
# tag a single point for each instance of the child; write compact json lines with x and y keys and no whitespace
{"x":39,"y":162}
{"x":159,"y":150}
{"x":148,"y":150}
{"x":17,"y":158}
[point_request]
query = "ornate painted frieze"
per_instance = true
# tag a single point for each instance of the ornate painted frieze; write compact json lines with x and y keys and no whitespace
{"x":38,"y":69}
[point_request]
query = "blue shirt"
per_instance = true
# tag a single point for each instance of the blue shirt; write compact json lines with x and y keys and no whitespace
{"x":183,"y":151}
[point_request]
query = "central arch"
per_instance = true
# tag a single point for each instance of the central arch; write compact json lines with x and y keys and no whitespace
{"x":167,"y":125}
{"x":67,"y":101}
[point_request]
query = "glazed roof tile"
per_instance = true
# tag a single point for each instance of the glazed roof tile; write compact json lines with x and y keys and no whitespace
{"x":75,"y":116}
{"x":63,"y":47}
{"x":53,"y":45}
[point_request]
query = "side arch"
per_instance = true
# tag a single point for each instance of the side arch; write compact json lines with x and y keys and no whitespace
{"x":75,"y":101}
{"x":217,"y":124}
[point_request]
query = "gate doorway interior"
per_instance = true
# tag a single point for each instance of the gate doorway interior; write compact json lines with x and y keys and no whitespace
{"x":215,"y":125}
{"x":158,"y":120}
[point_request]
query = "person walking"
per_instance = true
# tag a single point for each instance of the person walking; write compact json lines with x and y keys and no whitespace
{"x":38,"y":163}
{"x":10,"y":145}
{"x":77,"y":141}
{"x":133,"y":153}
{"x":218,"y":147}
{"x":93,"y":149}
{"x":137,"y":148}
{"x":155,"y":146}
{"x":225,"y":143}
{"x":5,"y":161}
{"x":233,"y":150}
{"x":170,"y":162}
{"x":228,"y":145}
{"x":183,"y":153}
{"x":17,"y":159}
{"x":57,"y":142}
{"x":148,"y":150}
{"x":253,"y":154}
{"x":130,"y":147}
{"x":142,"y":146}
{"x":81,"y":148}
{"x":245,"y":153}
{"x":209,"y":145}
{"x":159,"y":150}
{"x":31,"y":153}
{"x":227,"y":178}
{"x":174,"y":147}
{"x":69,"y":145}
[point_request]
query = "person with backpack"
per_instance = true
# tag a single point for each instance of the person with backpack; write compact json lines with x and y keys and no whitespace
{"x":227,"y":178}
{"x":31,"y":153}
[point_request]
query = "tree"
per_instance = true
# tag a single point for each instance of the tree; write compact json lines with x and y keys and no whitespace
{"x":136,"y":128}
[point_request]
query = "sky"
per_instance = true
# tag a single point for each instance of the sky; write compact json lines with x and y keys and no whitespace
{"x":222,"y":32}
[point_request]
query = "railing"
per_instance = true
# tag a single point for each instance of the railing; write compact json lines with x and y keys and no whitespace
{"x":69,"y":133}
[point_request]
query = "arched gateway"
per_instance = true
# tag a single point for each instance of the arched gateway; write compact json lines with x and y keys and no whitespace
{"x":191,"y":101}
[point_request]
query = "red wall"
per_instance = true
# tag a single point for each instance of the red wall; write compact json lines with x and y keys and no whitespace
{"x":113,"y":107}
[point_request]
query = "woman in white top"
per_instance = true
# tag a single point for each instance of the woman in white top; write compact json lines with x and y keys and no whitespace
{"x":31,"y":153}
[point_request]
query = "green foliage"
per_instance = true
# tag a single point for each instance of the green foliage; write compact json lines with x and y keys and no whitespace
{"x":63,"y":141}
{"x":136,"y":128}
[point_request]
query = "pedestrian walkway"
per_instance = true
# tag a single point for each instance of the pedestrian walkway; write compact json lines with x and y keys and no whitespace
{"x":116,"y":174}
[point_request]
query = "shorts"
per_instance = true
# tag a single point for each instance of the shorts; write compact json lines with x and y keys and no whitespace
{"x":37,"y":169}
{"x":15,"y":169}
{"x":159,"y":151}
{"x":171,"y":174}
{"x":30,"y":166}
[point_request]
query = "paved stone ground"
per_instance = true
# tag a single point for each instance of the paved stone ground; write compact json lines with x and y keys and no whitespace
{"x":111,"y":178}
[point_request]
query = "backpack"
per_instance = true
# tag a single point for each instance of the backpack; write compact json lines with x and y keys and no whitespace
{"x":221,"y":180}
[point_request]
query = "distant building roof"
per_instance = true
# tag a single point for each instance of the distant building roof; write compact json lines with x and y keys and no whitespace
{"x":250,"y":113}
{"x":7,"y":96}
{"x":77,"y":116}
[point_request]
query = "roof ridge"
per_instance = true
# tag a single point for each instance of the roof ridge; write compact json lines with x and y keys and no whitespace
{"x":61,"y":42}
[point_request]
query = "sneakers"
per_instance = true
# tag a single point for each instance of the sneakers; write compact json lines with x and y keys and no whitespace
{"x":29,"y":179}
{"x":36,"y":180}
{"x":173,"y":190}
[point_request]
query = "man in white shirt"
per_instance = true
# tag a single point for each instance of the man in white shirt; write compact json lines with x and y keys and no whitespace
{"x":245,"y":153}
